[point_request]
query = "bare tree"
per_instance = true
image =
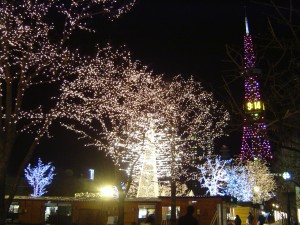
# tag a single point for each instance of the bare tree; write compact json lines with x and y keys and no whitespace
{"x":247,"y":181}
{"x":213,"y":175}
{"x":35,"y":53}
{"x":108,"y":105}
{"x":39,"y":177}
{"x":192,"y":119}
{"x":129,"y":109}
{"x":250,"y":181}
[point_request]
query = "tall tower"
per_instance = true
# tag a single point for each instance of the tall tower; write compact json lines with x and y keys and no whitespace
{"x":255,"y":143}
{"x":148,"y":181}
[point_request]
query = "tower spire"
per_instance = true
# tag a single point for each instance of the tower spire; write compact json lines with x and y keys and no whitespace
{"x":255,"y":143}
{"x":249,"y":57}
{"x":246,"y":22}
{"x":246,"y":25}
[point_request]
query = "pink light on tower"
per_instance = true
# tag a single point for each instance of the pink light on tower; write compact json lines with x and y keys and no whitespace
{"x":255,"y":143}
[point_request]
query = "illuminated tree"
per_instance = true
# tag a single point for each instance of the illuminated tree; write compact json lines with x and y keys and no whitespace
{"x":109,"y":105}
{"x":186,"y":121}
{"x":35,"y":53}
{"x":181,"y":189}
{"x":192,"y":120}
{"x":239,"y":184}
{"x":131,"y":112}
{"x":264,"y":183}
{"x":214,"y":176}
{"x":247,"y":181}
{"x":222,"y":177}
{"x":250,"y":181}
{"x":39,"y":177}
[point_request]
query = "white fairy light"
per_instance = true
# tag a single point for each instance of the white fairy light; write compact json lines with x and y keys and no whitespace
{"x":39,"y":177}
{"x":30,"y":56}
{"x":131,"y":111}
{"x":251,"y":181}
{"x":213,"y":175}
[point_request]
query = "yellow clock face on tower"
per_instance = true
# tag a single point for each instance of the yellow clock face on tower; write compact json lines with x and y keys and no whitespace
{"x":254,"y":106}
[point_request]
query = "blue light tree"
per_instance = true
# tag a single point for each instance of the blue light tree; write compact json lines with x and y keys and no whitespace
{"x":239,"y":184}
{"x":250,"y":181}
{"x":213,"y":175}
{"x":39,"y":177}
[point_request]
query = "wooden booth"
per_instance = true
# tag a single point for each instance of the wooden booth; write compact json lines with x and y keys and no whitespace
{"x":103,"y":211}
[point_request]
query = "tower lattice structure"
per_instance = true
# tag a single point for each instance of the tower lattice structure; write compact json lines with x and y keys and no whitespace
{"x":255,"y":143}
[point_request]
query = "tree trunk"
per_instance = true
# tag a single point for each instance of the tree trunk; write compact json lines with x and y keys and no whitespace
{"x":20,"y":173}
{"x":173,"y":182}
{"x":3,"y":212}
{"x":173,"y":201}
{"x":122,"y":195}
{"x":121,"y":208}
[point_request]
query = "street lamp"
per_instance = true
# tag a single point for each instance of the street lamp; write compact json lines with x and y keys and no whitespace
{"x":257,"y":194}
{"x":260,"y":198}
{"x":287,"y":176}
{"x":256,"y":189}
{"x":109,"y":192}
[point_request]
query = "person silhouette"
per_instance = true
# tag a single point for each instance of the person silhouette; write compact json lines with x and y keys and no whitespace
{"x":250,"y":219}
{"x":237,"y":220}
{"x":261,"y":219}
{"x":188,"y":218}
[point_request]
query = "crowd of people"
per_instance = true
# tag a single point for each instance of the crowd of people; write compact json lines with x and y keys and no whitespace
{"x":189,"y":219}
{"x":250,"y":220}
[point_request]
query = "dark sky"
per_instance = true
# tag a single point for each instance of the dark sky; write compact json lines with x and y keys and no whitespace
{"x":172,"y":37}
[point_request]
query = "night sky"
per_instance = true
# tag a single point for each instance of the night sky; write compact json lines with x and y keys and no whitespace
{"x":171,"y":37}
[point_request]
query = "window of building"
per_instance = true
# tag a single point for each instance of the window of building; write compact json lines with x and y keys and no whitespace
{"x":13,"y":212}
{"x":58,"y":213}
{"x":146,"y":214}
{"x":14,"y":207}
{"x":166,"y":213}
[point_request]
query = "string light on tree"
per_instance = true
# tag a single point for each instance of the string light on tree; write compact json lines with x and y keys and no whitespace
{"x":244,"y":179}
{"x":213,"y":175}
{"x":237,"y":179}
{"x":32,"y":57}
{"x":255,"y":143}
{"x":39,"y":177}
{"x":239,"y":184}
{"x":148,"y":127}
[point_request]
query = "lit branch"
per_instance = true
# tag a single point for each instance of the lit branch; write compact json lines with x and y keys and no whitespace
{"x":138,"y":117}
{"x":39,"y":177}
{"x":31,"y":58}
{"x":244,"y":178}
{"x":214,"y":176}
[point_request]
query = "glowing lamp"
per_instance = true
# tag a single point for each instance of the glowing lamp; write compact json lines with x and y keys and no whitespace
{"x":286,"y":175}
{"x":107,"y":191}
{"x":256,"y":189}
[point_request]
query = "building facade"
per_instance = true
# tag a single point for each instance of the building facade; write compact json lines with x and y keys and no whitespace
{"x":102,"y":211}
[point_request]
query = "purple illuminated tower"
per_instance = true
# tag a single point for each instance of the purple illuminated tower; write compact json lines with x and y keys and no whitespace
{"x":255,"y":143}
